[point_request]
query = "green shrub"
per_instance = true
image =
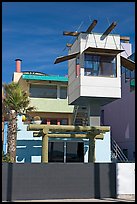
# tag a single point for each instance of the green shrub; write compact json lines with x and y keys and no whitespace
{"x":5,"y":157}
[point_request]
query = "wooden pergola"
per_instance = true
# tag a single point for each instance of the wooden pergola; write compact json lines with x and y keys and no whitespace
{"x":68,"y":131}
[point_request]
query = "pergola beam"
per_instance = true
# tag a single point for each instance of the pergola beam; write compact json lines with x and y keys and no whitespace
{"x":125,"y":38}
{"x":109,"y":29}
{"x":68,"y":128}
{"x":69,"y":45}
{"x":69,"y":33}
{"x":68,"y":131}
{"x":90,"y":28}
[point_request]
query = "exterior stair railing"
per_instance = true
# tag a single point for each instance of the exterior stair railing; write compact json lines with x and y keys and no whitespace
{"x":80,"y":116}
{"x":75,"y":113}
{"x":117,"y":154}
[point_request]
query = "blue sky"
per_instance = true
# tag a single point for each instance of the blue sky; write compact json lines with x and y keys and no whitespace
{"x":33,"y":31}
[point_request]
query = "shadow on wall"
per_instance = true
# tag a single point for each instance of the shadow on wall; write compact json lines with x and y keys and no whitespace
{"x":26,"y":149}
{"x":104,"y":180}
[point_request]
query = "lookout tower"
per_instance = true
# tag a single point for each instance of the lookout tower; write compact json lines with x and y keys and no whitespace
{"x":94,"y":69}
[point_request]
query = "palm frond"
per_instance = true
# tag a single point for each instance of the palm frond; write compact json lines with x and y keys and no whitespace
{"x":15,"y":98}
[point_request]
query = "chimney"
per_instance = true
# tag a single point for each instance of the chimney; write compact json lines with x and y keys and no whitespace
{"x":18,"y":65}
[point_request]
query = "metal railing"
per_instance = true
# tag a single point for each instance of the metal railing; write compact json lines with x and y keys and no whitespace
{"x":75,"y":113}
{"x":117,"y":154}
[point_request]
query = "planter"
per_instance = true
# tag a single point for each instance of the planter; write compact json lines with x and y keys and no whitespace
{"x":37,"y":122}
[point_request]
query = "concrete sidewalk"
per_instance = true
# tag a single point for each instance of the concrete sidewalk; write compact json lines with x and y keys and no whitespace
{"x":81,"y":200}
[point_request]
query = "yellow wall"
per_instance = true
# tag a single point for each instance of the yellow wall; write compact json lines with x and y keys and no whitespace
{"x":46,"y":107}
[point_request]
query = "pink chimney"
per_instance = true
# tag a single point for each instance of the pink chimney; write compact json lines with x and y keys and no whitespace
{"x":18,"y":65}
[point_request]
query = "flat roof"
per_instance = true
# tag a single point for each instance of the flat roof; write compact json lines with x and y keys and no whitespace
{"x":44,"y":78}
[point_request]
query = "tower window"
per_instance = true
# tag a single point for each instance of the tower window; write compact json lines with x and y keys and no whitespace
{"x":100,"y":65}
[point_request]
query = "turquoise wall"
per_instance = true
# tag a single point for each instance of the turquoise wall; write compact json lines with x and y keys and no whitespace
{"x":28,"y":147}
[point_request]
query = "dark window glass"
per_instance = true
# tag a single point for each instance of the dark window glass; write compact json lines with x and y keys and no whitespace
{"x":132,"y":74}
{"x":100,"y":65}
{"x":43,"y":91}
{"x":64,"y":122}
{"x":44,"y":121}
{"x":128,"y":74}
{"x":63,"y":92}
{"x":53,"y":122}
{"x":75,"y":152}
{"x":56,"y":152}
{"x":122,"y":70}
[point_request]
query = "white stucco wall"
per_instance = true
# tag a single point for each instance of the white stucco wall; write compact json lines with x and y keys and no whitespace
{"x":125,"y":178}
{"x":93,"y":40}
{"x":103,"y":149}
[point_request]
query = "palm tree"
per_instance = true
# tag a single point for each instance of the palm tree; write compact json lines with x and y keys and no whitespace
{"x":15,"y":101}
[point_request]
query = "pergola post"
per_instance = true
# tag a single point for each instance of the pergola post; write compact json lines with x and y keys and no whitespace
{"x":91,"y":153}
{"x":92,"y":140}
{"x":44,"y":158}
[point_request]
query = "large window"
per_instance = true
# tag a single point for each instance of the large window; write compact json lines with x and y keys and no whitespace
{"x":66,"y":151}
{"x":100,"y":65}
{"x":43,"y":91}
{"x":56,"y":152}
{"x":75,"y":152}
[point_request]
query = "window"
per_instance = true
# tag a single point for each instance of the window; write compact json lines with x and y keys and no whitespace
{"x":65,"y":151}
{"x":64,"y":122}
{"x":44,"y":121}
{"x":75,"y":152}
{"x":53,"y":122}
{"x":63,"y":92}
{"x":127,"y":74}
{"x":132,"y":75}
{"x":100,"y":65}
{"x":56,"y":152}
{"x":43,"y":91}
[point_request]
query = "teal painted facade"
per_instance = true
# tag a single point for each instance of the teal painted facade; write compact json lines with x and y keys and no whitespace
{"x":44,"y":78}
